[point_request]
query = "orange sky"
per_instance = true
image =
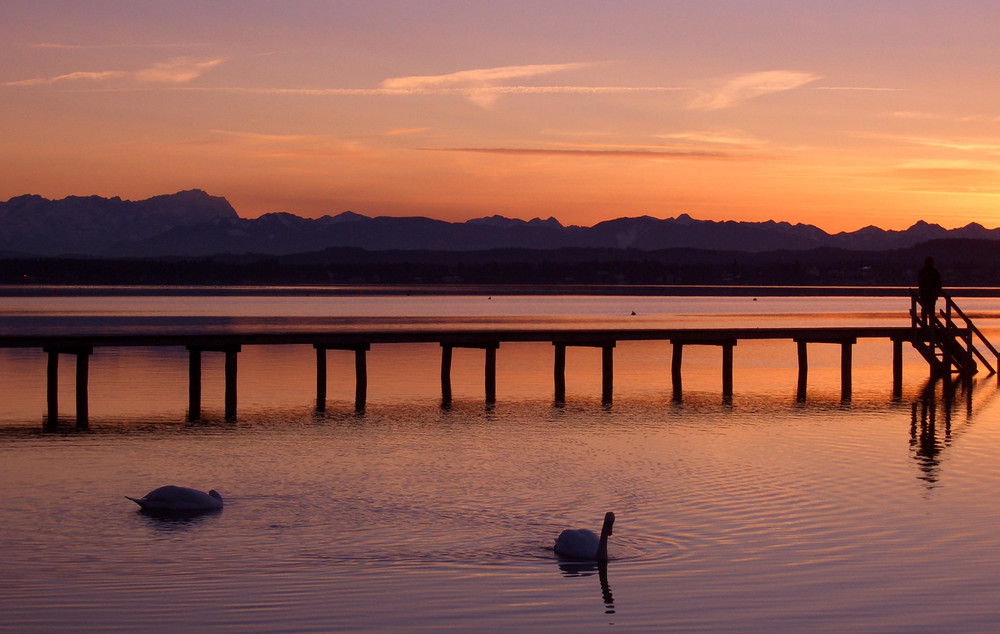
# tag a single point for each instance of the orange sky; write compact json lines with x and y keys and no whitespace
{"x":840,"y":114}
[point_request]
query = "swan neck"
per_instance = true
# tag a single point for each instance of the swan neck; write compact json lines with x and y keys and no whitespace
{"x":602,"y":546}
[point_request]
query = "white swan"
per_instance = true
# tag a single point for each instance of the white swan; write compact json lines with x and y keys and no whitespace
{"x":174,"y":499}
{"x":582,"y":543}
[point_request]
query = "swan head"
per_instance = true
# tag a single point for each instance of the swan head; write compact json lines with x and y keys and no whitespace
{"x":609,"y":521}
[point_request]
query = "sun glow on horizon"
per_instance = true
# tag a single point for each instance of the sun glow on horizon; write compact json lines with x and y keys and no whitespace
{"x":343,"y":107}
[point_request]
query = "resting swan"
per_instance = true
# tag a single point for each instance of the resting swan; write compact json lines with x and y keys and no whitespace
{"x":174,"y":499}
{"x":582,"y":543}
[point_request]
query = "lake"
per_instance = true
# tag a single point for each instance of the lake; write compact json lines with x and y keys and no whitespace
{"x":762,"y":514}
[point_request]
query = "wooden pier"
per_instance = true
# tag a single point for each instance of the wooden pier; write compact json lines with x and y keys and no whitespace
{"x":83,"y":347}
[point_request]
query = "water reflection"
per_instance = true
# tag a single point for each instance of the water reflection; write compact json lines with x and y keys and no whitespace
{"x":927,"y":440}
{"x":587,"y":569}
{"x":176,"y":521}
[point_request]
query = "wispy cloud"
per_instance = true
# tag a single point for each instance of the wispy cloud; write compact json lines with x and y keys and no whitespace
{"x":177,"y":70}
{"x":404,"y":131}
{"x":942,"y":177}
{"x":717,"y":138}
{"x":484,"y":96}
{"x":612,"y":152}
{"x":859,"y":88}
{"x":991,"y":146}
{"x":62,"y":46}
{"x":288,"y":146}
{"x":739,"y":89}
{"x":476,"y":84}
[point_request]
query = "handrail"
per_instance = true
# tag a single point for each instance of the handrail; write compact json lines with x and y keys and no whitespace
{"x":953,"y":329}
{"x":970,"y":325}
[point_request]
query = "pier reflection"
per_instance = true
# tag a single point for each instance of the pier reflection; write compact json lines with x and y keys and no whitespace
{"x":931,"y":420}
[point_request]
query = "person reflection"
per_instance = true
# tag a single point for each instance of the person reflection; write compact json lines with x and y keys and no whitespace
{"x":587,"y":569}
{"x":924,"y":439}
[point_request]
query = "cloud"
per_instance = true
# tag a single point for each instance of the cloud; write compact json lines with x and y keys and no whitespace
{"x":859,"y":88}
{"x":177,"y":70}
{"x":404,"y":131}
{"x":478,"y":77}
{"x":477,"y":84}
{"x":939,"y":176}
{"x":484,"y":96}
{"x":77,"y":76}
{"x":729,"y":139}
{"x":641,"y":152}
{"x":987,"y":146}
{"x":739,"y":89}
{"x":288,"y":146}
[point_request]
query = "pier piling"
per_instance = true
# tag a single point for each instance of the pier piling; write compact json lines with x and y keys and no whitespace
{"x":82,"y":381}
{"x":320,"y":378}
{"x":675,"y":370}
{"x":607,"y":367}
{"x":360,"y":378}
{"x":490,"y":368}
{"x":726,"y":343}
{"x":52,"y":387}
{"x":559,"y":373}
{"x":194,"y":379}
{"x":360,"y":374}
{"x":194,"y":384}
{"x":846,"y":357}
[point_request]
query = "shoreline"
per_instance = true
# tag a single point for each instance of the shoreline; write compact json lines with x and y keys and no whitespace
{"x":640,"y":290}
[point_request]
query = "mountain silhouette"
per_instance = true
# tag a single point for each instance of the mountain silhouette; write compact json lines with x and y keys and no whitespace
{"x":194,"y":224}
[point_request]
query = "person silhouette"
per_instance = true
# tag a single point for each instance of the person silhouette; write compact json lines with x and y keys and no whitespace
{"x":929,"y":284}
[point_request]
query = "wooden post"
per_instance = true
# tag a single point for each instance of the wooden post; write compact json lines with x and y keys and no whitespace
{"x":675,"y":369}
{"x":360,"y":378}
{"x":82,"y":372}
{"x":607,"y":372}
{"x":559,"y":372}
{"x":53,"y":387}
{"x":803,"y":371}
{"x":727,"y":370}
{"x":897,"y":368}
{"x":491,"y":373}
{"x":445,"y":374}
{"x":231,"y":353}
{"x":194,"y":384}
{"x":846,"y":349}
{"x":320,"y":378}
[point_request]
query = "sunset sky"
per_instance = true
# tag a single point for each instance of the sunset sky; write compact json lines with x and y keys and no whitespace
{"x":840,"y":114}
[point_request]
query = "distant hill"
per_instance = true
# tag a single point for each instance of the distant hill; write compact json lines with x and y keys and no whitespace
{"x":97,"y":226}
{"x":195,"y":224}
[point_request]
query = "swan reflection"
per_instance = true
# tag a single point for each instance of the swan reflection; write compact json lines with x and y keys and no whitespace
{"x":587,"y":569}
{"x":172,"y":522}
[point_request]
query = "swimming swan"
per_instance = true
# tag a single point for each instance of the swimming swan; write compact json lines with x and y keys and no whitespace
{"x":582,"y":543}
{"x":173,"y":499}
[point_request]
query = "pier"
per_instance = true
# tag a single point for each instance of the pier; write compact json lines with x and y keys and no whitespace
{"x":84,"y":347}
{"x":947,"y":340}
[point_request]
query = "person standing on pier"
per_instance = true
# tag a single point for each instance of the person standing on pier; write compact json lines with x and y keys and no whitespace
{"x":929,"y":283}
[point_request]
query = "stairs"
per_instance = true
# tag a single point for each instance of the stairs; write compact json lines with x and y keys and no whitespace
{"x":946,"y":339}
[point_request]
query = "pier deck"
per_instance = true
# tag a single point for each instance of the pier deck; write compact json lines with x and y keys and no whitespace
{"x":231,"y":343}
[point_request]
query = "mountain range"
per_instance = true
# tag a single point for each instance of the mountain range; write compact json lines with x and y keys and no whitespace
{"x":194,"y":224}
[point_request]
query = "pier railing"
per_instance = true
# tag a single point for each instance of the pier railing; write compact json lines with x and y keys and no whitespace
{"x":948,"y":339}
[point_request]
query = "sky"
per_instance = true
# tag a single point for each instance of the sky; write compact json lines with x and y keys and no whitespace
{"x":839,"y":114}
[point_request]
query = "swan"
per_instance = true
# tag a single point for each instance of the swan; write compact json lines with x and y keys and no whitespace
{"x":174,"y":499}
{"x":582,"y":543}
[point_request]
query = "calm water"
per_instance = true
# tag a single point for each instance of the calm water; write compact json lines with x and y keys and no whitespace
{"x":760,"y":515}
